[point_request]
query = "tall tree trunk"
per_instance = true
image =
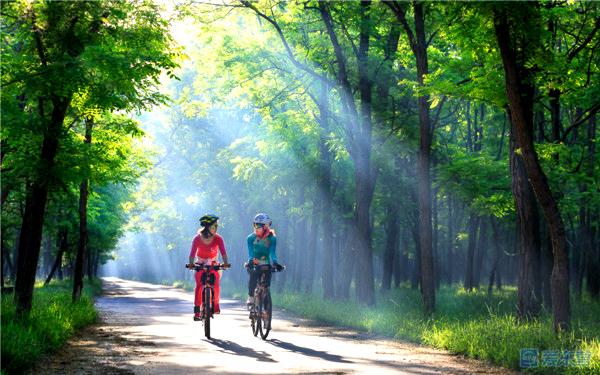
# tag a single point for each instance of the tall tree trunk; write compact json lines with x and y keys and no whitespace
{"x":311,"y":250}
{"x":391,"y":265}
{"x":360,"y":124}
{"x":35,"y":206}
{"x":5,"y":259}
{"x":546,"y":273}
{"x":435,"y":250}
{"x":528,"y":224}
{"x":10,"y":267}
{"x":469,"y":126}
{"x":418,"y":45}
{"x":401,"y":259}
{"x":346,"y":256}
{"x":520,"y":109}
{"x":578,"y":253}
{"x":481,"y":250}
{"x":62,"y":247}
{"x":416,"y":269}
{"x":450,"y":241}
{"x":97,"y":265}
{"x":92,"y":255}
{"x":83,"y":230}
{"x":326,"y":192}
{"x":592,"y":252}
{"x":300,"y":240}
{"x":427,"y":284}
{"x":364,"y":176}
{"x":15,"y":255}
{"x":473,"y":224}
{"x":494,"y":273}
{"x":391,"y":244}
{"x":47,"y":256}
{"x":283,"y":231}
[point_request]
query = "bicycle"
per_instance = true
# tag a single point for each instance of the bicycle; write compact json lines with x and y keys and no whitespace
{"x":262,"y":308}
{"x":208,"y":282}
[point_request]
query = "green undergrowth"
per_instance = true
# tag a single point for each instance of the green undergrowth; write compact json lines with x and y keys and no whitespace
{"x":474,"y":324}
{"x":53,"y":319}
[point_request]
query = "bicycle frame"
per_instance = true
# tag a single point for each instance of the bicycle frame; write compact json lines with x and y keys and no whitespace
{"x":208,"y":292}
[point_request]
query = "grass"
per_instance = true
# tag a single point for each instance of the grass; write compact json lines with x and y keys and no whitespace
{"x":53,"y":319}
{"x":473,"y":324}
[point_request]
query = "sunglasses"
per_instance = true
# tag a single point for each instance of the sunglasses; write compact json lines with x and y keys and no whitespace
{"x":259,"y":225}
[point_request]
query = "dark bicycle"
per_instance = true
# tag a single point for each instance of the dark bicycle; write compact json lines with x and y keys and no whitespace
{"x":261,"y":310}
{"x":208,"y":294}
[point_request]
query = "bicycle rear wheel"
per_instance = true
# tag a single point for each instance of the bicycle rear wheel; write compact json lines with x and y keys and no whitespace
{"x":207,"y":311}
{"x":264,"y":316}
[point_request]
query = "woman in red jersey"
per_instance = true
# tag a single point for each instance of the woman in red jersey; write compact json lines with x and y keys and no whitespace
{"x":205,"y":249}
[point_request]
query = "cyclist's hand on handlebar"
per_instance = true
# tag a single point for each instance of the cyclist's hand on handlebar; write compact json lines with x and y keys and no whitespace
{"x":226,"y":265}
{"x":278,"y":266}
{"x":255,"y":261}
{"x":190,"y":265}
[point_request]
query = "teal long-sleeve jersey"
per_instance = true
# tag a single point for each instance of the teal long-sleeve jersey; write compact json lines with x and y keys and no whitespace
{"x":263,"y":249}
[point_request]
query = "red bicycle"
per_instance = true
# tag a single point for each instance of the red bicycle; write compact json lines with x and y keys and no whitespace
{"x":208,"y":292}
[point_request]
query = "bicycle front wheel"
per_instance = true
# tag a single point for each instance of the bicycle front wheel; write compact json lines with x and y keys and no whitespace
{"x":207,"y":311}
{"x":254,"y":314}
{"x":264,"y":317}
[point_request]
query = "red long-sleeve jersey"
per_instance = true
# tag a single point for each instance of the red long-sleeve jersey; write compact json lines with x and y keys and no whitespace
{"x":208,"y":252}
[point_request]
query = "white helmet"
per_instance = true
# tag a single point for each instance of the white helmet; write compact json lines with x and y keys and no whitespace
{"x":262,"y":218}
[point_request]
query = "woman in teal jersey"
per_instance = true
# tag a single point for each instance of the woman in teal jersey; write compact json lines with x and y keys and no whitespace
{"x":262,"y":246}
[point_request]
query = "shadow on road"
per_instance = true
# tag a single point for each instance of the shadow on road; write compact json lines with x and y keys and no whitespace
{"x":307,"y":351}
{"x":230,"y":347}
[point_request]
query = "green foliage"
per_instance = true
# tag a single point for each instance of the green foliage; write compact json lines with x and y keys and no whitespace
{"x":480,"y":181}
{"x":53,"y":320}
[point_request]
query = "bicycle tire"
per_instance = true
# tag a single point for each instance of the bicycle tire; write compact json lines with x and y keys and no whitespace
{"x":207,"y":312}
{"x":255,"y":314}
{"x":265,"y":315}
{"x":253,"y":325}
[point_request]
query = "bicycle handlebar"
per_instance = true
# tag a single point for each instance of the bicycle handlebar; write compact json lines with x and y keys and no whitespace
{"x":264,"y":267}
{"x":208,"y":267}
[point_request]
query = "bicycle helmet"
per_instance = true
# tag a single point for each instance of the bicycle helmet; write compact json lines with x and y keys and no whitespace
{"x":208,"y":219}
{"x":262,"y":218}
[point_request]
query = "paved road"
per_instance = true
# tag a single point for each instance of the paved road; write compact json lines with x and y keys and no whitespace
{"x":148,"y":329}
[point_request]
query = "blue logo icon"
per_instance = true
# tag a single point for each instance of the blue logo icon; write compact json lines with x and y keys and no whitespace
{"x":529,"y":358}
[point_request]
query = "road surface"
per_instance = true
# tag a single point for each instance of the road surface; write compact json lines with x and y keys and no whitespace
{"x":148,"y":329}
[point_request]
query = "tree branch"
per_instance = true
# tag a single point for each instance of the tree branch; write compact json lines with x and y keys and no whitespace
{"x":585,"y":42}
{"x":285,"y":43}
{"x":437,"y":115}
{"x":38,"y":40}
{"x":581,"y":119}
{"x":400,"y":13}
{"x":347,"y":34}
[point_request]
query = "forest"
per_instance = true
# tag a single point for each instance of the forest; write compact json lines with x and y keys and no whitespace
{"x":394,"y":144}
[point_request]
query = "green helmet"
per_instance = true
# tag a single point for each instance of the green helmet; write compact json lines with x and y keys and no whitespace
{"x":208,"y":219}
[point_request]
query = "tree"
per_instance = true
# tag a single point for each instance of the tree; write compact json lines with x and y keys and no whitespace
{"x":72,"y":51}
{"x":508,"y":21}
{"x":418,"y":44}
